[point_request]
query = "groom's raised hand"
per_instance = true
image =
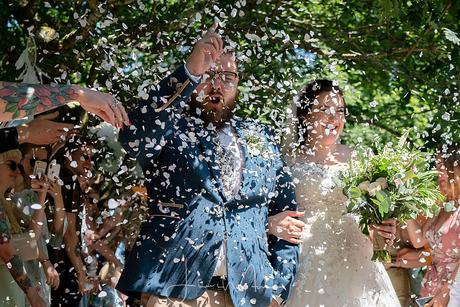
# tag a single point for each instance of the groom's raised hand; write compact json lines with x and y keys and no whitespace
{"x":205,"y":52}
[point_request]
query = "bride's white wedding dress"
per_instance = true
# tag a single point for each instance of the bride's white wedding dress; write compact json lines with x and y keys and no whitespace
{"x":335,"y":267}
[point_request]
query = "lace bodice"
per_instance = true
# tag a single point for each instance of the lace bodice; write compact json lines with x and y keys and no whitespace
{"x":317,"y":186}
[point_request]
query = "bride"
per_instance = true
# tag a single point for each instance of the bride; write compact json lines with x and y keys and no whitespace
{"x":335,"y":267}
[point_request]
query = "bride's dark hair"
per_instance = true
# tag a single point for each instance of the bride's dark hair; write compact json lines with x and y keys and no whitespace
{"x":309,"y":93}
{"x":307,"y":96}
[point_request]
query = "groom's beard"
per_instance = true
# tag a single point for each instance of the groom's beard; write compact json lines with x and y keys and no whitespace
{"x":209,"y":114}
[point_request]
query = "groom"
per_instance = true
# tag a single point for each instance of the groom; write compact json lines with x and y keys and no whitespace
{"x":212,"y":180}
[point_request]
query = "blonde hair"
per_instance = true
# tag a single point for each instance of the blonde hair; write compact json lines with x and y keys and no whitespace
{"x":11,"y":155}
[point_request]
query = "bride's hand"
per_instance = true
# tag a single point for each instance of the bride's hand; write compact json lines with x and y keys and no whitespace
{"x":386,"y":230}
{"x":284,"y":225}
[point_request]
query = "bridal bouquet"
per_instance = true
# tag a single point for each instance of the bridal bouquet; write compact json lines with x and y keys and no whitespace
{"x":397,"y":183}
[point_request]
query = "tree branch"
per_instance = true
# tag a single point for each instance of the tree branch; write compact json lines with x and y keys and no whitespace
{"x":83,"y":32}
{"x":377,"y":124}
{"x":428,"y":30}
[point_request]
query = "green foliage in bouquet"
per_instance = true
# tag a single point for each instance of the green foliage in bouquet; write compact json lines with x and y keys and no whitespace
{"x":396,"y":183}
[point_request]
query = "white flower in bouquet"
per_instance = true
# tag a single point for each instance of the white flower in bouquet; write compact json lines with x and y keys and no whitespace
{"x":374,"y":187}
{"x":382,"y":182}
{"x":364,"y":186}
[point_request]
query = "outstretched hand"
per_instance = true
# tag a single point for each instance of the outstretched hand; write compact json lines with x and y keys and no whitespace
{"x":284,"y":225}
{"x":43,"y":130}
{"x":205,"y":53}
{"x":107,"y":107}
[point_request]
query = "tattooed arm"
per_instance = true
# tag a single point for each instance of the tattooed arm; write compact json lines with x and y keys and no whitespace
{"x":15,"y":264}
{"x":19,"y":100}
{"x":72,"y":248}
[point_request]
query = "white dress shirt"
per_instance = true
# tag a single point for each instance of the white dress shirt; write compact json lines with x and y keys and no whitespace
{"x":231,"y":171}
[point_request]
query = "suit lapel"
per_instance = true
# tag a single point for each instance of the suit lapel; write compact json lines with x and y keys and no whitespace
{"x":242,"y":139}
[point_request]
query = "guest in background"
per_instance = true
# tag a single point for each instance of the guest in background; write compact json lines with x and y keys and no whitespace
{"x":76,"y":161}
{"x":16,"y":286}
{"x":55,"y":211}
{"x":441,"y":233}
{"x":41,"y":271}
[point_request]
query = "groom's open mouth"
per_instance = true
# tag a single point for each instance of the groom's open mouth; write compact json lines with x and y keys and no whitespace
{"x":215,"y":99}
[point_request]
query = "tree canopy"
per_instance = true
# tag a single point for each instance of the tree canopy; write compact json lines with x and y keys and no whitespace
{"x":398,"y":62}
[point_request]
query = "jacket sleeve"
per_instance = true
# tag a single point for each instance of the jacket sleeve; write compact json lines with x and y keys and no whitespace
{"x":284,"y":255}
{"x":152,"y":128}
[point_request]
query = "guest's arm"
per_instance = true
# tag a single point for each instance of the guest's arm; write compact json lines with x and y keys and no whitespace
{"x":102,"y":248}
{"x":20,"y":99}
{"x":52,"y":276}
{"x":109,"y":225}
{"x":57,"y":227}
{"x":72,"y":248}
{"x":38,"y":215}
{"x":416,"y":234}
{"x":40,"y":131}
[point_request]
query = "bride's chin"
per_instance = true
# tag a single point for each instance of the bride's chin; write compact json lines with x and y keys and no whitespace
{"x":328,"y":140}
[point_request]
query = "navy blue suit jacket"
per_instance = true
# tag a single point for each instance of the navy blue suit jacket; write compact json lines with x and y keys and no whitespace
{"x":177,"y":248}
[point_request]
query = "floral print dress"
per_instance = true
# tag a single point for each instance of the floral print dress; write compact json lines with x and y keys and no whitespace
{"x":445,"y":252}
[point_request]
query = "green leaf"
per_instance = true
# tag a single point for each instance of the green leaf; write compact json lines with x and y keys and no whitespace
{"x":381,"y":256}
{"x":30,"y":106}
{"x":12,"y":105}
{"x":354,"y":192}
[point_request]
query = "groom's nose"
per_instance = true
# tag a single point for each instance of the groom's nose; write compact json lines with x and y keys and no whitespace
{"x":217,"y":84}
